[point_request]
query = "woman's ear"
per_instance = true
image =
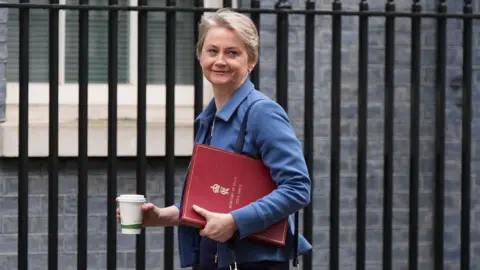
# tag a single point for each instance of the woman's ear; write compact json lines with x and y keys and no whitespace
{"x":251,"y":66}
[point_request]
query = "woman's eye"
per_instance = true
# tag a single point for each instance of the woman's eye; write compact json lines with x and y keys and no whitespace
{"x":232,"y":53}
{"x":212,"y":51}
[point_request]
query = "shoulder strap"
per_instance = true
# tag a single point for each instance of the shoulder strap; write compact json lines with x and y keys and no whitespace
{"x":243,"y":129}
{"x":239,"y":149}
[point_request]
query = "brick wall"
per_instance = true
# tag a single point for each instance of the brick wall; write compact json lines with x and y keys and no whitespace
{"x":67,"y":207}
{"x":126,"y":258}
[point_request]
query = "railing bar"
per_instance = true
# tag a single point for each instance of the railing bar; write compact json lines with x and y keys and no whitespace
{"x":362,"y":136}
{"x":308,"y":144}
{"x":141,"y":124}
{"x":439,"y":174}
{"x":247,"y":10}
{"x":466,"y":138}
{"x":82,"y":202}
{"x":388,"y":136}
{"x":227,"y":3}
{"x":170,"y":42}
{"x":197,"y":70}
{"x":335,"y":119}
{"x":282,"y":66}
{"x":282,"y":55}
{"x":24,"y":77}
{"x":255,"y":73}
{"x":53,"y":166}
{"x":112,"y":137}
{"x":415,"y":76}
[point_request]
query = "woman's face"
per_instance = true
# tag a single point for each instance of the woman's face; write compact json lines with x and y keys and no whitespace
{"x":224,"y":59}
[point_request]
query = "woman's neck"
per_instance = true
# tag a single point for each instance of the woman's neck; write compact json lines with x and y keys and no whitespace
{"x":222,"y":94}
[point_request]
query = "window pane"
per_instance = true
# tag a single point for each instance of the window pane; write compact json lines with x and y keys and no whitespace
{"x":98,"y":44}
{"x":184,"y":49}
{"x":38,"y":44}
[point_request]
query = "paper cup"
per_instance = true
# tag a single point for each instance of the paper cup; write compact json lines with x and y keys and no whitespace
{"x":131,"y":213}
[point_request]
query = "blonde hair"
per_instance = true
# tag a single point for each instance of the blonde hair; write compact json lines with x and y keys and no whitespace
{"x":241,"y":24}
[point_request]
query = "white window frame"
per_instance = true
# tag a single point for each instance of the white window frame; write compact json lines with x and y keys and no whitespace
{"x":98,"y":109}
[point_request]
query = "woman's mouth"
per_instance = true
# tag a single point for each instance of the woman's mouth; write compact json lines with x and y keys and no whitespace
{"x":219,"y":72}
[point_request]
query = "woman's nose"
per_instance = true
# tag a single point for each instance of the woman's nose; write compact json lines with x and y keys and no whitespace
{"x":221,"y":56}
{"x":220,"y":62}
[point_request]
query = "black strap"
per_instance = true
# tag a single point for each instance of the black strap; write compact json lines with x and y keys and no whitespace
{"x":239,"y":149}
{"x":243,"y":129}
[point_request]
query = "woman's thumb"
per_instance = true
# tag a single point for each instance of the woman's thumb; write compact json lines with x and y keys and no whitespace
{"x":201,"y":211}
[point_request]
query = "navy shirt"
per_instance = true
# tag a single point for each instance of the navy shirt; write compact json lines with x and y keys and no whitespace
{"x":208,"y":247}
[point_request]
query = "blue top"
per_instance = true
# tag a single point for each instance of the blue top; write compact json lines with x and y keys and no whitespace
{"x":271,"y":137}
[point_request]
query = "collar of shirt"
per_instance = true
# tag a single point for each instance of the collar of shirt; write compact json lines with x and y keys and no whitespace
{"x":229,"y":108}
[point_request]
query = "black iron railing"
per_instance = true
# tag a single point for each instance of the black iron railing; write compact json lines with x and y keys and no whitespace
{"x":283,"y":10}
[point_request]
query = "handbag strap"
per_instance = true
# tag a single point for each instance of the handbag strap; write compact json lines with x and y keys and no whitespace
{"x":243,"y":129}
{"x":239,"y":149}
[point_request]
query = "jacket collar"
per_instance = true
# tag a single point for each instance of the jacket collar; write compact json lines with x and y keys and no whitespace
{"x":232,"y":104}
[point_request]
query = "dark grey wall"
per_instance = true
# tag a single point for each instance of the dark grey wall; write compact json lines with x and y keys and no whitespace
{"x":97,"y":181}
{"x":67,"y":207}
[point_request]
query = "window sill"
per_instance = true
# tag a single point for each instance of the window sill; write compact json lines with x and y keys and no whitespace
{"x":98,"y":121}
{"x":97,"y":132}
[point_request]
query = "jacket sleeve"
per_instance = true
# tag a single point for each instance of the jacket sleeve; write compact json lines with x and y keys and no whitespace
{"x":280,"y":150}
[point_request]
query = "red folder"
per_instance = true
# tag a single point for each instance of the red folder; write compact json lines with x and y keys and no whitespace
{"x":221,"y":181}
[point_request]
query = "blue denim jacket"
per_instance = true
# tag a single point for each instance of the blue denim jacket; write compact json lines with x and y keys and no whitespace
{"x":270,"y":137}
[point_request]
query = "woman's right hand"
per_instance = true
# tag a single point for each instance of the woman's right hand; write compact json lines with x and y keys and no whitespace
{"x":157,"y":217}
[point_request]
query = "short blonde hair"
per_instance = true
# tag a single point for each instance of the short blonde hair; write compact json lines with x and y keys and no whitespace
{"x":241,"y":24}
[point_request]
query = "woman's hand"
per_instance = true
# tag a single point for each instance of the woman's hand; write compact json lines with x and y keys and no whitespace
{"x":157,"y":217}
{"x":219,"y":227}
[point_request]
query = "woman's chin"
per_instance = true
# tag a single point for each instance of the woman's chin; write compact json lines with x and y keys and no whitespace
{"x":220,"y":81}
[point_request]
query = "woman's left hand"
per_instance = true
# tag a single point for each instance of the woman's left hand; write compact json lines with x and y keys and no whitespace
{"x":219,"y":227}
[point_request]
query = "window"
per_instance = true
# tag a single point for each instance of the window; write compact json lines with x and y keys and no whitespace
{"x":98,"y":53}
{"x":97,"y":44}
{"x":98,"y":76}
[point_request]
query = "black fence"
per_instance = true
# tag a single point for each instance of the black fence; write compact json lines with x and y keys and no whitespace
{"x":282,"y":10}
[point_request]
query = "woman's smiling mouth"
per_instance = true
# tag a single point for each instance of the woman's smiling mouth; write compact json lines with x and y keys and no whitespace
{"x":219,"y":72}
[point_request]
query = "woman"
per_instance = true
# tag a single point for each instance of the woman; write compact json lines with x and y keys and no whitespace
{"x":228,"y":50}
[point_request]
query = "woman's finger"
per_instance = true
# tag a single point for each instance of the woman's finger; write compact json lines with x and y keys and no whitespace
{"x":147,"y":206}
{"x":203,"y":232}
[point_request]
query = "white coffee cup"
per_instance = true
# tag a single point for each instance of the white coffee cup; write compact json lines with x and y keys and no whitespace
{"x":131,"y":215}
